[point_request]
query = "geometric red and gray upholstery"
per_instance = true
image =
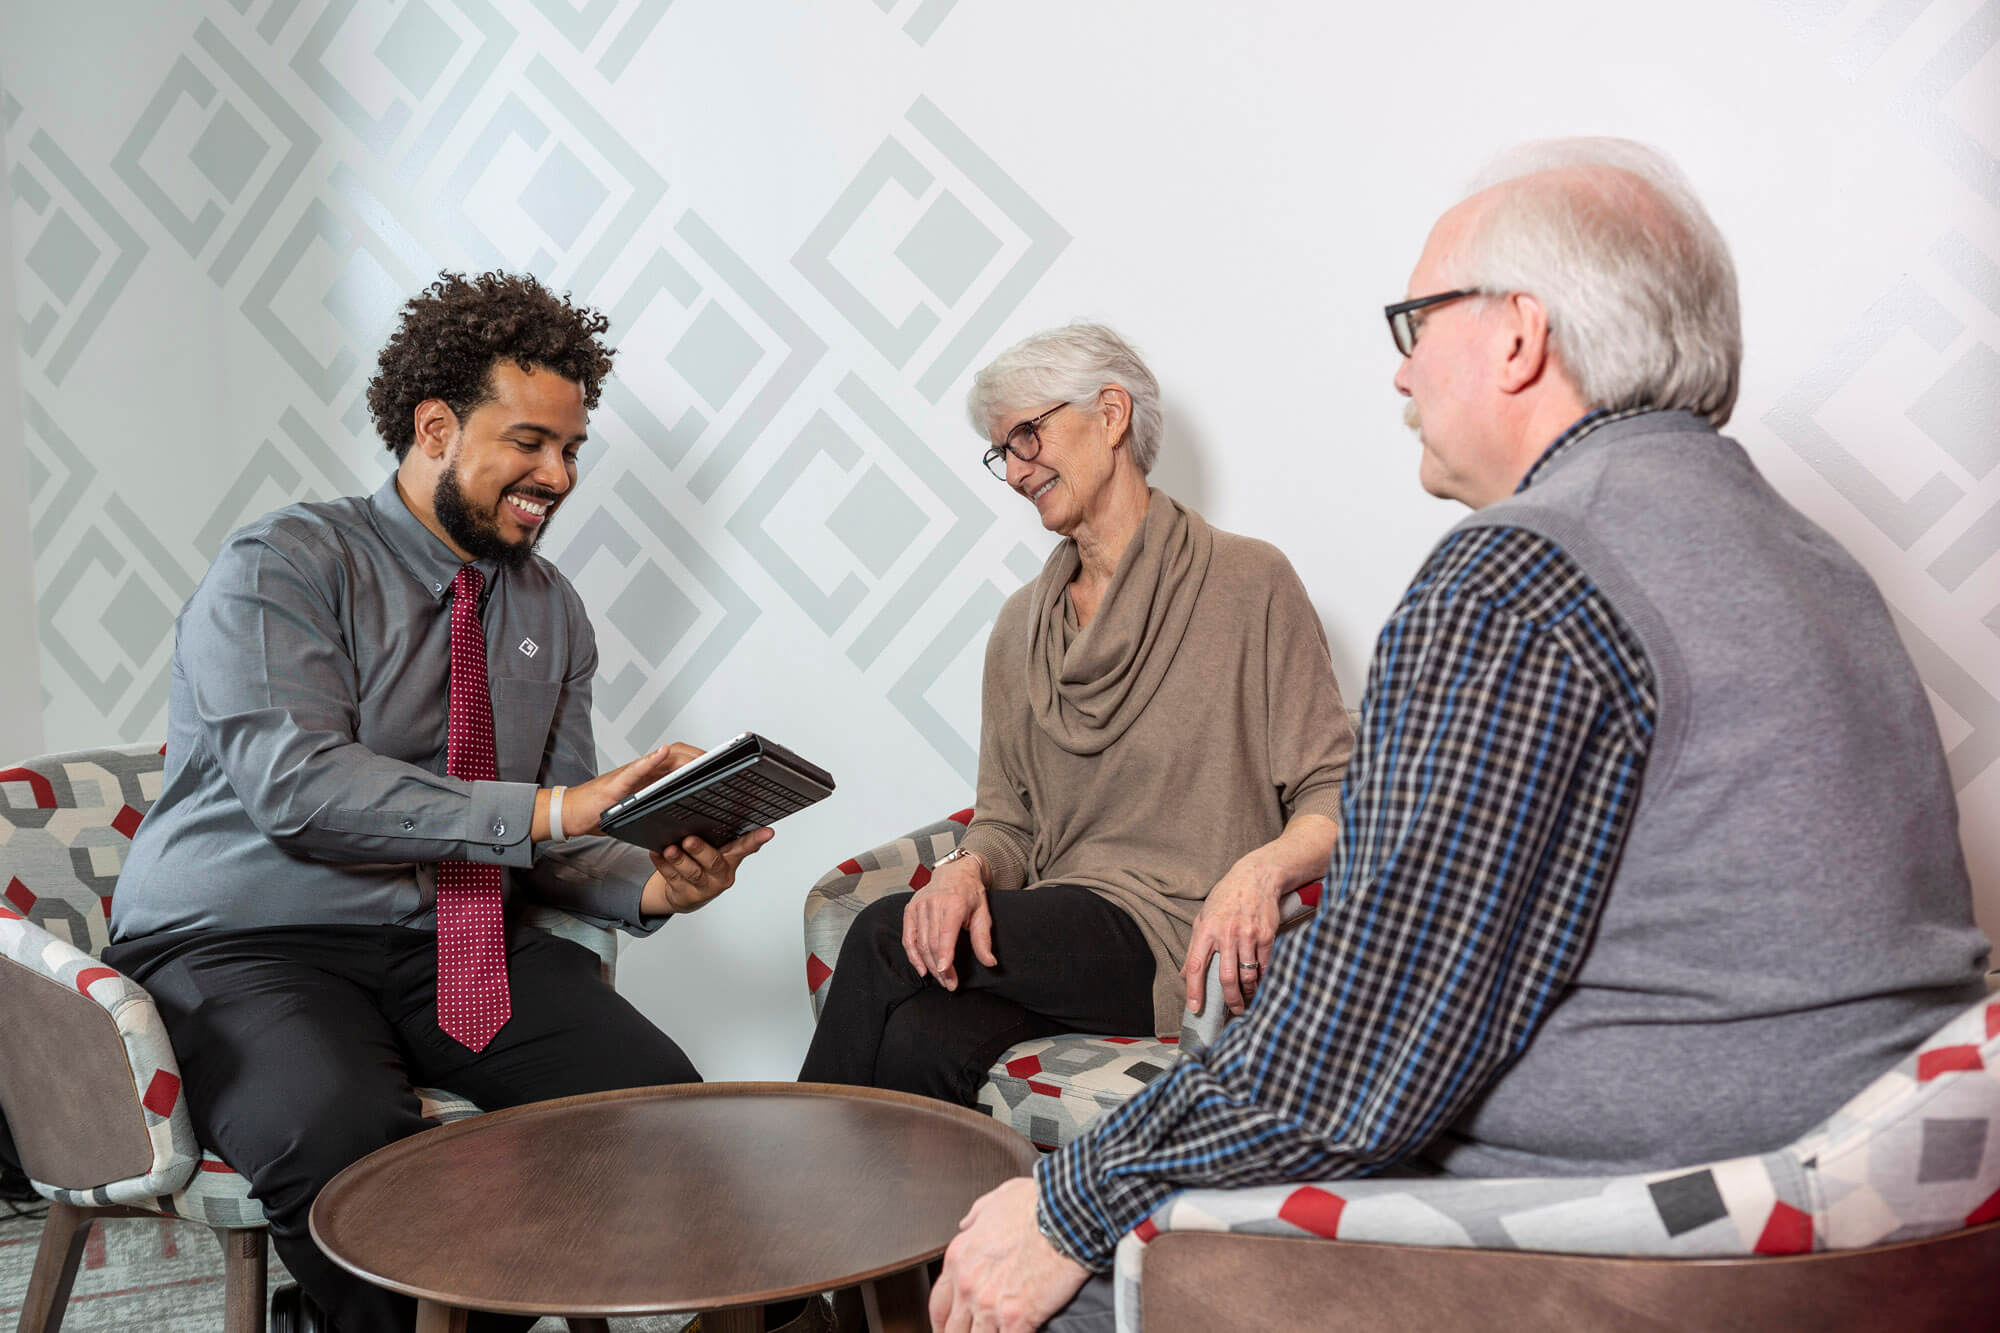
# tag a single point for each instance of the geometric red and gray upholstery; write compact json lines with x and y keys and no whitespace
{"x":1050,"y":1089}
{"x":66,"y":825}
{"x":1915,"y":1154}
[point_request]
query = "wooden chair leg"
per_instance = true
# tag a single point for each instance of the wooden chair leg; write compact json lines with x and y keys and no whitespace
{"x":244,"y":1273}
{"x":63,"y":1232}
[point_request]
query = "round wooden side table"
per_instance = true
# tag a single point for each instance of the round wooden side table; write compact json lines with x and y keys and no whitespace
{"x":711,"y":1197}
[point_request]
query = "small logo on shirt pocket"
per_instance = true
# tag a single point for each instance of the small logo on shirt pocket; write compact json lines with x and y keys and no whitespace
{"x":529,"y":647}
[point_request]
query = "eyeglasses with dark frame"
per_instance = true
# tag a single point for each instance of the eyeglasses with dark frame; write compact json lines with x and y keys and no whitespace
{"x":1404,"y":329}
{"x":1024,"y":442}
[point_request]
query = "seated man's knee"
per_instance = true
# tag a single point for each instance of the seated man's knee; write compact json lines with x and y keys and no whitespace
{"x":652,"y":1058}
{"x":309,"y":1145}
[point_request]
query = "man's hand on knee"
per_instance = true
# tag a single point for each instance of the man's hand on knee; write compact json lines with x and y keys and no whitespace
{"x":1001,"y":1273}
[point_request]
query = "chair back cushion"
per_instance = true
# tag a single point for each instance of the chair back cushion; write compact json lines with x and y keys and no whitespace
{"x":97,"y":1105}
{"x":1917,"y":1153}
{"x":66,"y":826}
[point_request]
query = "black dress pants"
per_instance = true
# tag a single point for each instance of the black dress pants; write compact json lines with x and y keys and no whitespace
{"x":299,"y":1046}
{"x":1069,"y":961}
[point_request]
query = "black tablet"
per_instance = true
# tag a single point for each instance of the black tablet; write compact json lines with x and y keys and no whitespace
{"x":740,"y":785}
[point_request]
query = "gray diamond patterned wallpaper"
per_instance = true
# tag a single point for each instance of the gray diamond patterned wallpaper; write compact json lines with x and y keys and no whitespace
{"x":811,"y":220}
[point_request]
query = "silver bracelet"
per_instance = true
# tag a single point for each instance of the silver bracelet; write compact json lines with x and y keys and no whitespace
{"x":555,"y":815}
{"x":966,"y":853}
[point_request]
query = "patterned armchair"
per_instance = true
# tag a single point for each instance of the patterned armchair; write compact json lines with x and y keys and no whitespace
{"x":1051,"y":1089}
{"x":88,"y":1081}
{"x":1886,"y":1215}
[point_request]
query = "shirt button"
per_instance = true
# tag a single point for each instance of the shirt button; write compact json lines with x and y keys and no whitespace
{"x":408,"y":825}
{"x":499,"y":851}
{"x":437,"y":587}
{"x":499,"y":828}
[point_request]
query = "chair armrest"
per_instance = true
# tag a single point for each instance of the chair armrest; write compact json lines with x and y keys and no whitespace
{"x":596,"y":936}
{"x":1199,"y":1030}
{"x":88,"y":1080}
{"x":1225,"y":1281}
{"x":1741,"y":1207}
{"x":838,"y":897}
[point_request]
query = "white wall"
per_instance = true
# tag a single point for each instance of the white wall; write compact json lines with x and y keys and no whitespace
{"x":844,"y":206}
{"x":20,"y":664}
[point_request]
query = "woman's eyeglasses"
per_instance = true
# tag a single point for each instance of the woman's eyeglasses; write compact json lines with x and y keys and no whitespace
{"x":1024,"y":442}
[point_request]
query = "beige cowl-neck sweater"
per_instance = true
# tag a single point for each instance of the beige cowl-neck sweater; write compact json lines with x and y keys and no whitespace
{"x":1140,"y":756}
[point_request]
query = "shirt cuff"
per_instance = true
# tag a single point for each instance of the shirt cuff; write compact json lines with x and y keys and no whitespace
{"x":502,"y":816}
{"x":1067,"y":1208}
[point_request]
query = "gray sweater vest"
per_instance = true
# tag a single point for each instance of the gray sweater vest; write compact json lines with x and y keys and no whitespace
{"x":1791,"y":914}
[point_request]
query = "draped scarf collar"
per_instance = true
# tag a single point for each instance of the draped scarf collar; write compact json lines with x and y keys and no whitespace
{"x":1085,"y":687}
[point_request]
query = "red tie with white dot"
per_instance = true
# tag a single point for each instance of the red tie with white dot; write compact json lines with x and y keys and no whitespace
{"x":472,"y":998}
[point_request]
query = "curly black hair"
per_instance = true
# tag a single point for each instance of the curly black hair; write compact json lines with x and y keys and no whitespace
{"x":455,"y":330}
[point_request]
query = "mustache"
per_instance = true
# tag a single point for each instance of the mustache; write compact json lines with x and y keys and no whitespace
{"x":1411,"y":417}
{"x":541,"y":493}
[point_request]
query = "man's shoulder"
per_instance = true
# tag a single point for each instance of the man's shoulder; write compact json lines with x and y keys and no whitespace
{"x":537,"y":576}
{"x":1501,"y":565}
{"x":1650,"y":462}
{"x":308,"y":531}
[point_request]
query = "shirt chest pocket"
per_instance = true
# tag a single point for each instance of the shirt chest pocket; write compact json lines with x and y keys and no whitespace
{"x":522,"y":710}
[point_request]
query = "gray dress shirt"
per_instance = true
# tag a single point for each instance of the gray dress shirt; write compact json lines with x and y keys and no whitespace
{"x":305,"y":758}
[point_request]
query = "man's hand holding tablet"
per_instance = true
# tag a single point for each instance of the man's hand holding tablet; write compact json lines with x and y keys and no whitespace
{"x":742,"y":785}
{"x":687,"y":872}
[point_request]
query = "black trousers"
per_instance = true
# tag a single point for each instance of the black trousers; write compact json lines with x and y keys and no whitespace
{"x":299,"y":1047}
{"x":1069,"y":962}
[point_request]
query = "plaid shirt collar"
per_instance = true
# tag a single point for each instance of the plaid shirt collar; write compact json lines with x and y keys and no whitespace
{"x":1579,"y":428}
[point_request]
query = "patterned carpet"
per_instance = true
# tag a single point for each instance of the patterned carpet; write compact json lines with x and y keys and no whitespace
{"x":162,"y":1276}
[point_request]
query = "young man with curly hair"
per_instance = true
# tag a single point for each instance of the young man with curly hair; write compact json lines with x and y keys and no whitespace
{"x":378,"y":750}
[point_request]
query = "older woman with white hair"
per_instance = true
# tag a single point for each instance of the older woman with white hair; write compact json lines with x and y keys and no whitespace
{"x":1161,"y":751}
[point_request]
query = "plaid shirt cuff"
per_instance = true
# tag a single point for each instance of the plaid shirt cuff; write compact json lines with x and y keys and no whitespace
{"x":1079,"y":1214}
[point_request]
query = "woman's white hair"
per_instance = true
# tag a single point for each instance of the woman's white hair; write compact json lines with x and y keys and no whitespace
{"x":1636,"y":279}
{"x":1072,"y":364}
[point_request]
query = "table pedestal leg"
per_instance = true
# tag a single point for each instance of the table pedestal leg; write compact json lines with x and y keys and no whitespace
{"x":744,"y":1319}
{"x":435,"y":1318}
{"x":899,"y":1303}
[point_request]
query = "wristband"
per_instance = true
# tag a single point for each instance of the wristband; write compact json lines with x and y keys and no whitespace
{"x":555,"y":815}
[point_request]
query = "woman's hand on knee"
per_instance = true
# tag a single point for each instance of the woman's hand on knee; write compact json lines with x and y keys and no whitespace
{"x":954,"y":901}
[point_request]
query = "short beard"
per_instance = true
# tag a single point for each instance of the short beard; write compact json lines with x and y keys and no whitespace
{"x":478,"y":534}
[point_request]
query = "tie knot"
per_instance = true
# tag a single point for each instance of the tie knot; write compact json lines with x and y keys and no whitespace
{"x":468,"y":585}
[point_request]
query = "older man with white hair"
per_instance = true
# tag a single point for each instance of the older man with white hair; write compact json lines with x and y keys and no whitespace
{"x":1648,"y":855}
